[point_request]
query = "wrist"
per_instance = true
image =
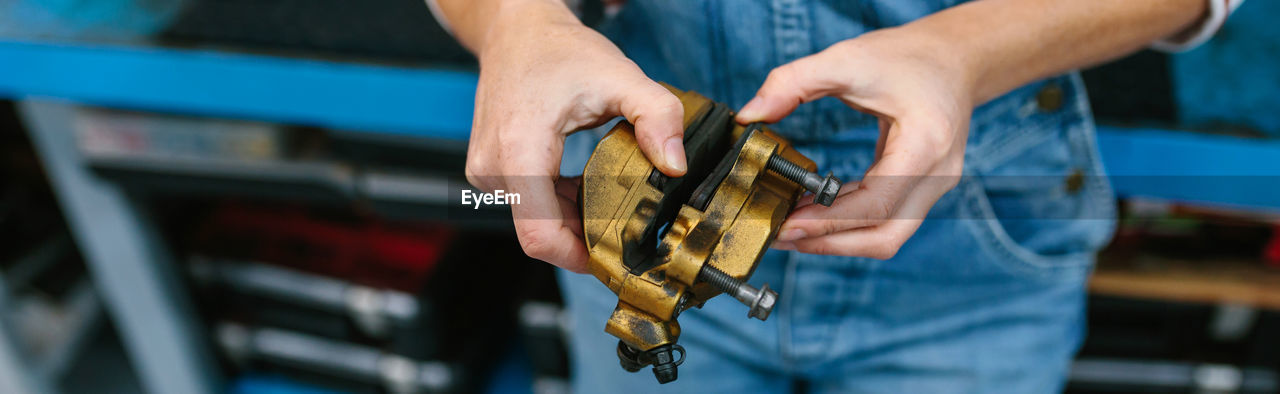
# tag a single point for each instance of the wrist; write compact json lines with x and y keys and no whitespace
{"x":521,"y":18}
{"x":989,"y":60}
{"x":941,"y":58}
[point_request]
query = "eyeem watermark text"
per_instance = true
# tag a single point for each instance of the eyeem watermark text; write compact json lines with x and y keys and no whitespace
{"x":498,"y":197}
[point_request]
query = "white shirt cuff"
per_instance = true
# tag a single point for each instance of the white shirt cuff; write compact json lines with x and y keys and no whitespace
{"x":1193,"y":37}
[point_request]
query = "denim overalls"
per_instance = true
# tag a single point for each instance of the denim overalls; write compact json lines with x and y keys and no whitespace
{"x":988,"y":295}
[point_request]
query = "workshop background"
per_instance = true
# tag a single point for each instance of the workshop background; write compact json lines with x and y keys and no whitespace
{"x":258,"y":196}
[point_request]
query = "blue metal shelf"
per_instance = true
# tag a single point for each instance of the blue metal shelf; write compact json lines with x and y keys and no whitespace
{"x":409,"y":101}
{"x":1192,"y":167}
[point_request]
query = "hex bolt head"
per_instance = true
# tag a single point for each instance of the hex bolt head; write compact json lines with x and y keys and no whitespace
{"x":823,"y":189}
{"x":760,"y":301}
{"x":766,"y":298}
{"x":826,"y":195}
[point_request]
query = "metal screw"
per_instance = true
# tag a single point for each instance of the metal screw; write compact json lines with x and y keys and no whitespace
{"x":760,"y":300}
{"x":824,"y":189}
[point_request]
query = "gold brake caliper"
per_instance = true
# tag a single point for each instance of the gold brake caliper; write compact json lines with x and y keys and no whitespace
{"x":665,"y":244}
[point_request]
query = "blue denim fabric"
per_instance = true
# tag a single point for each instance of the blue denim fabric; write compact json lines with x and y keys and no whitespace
{"x":988,"y":295}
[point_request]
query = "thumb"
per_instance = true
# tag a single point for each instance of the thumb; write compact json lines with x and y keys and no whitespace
{"x":803,"y":80}
{"x":658,"y":117}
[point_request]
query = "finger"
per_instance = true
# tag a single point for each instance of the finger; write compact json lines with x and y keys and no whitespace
{"x":658,"y":117}
{"x":542,"y":226}
{"x":783,"y":245}
{"x":884,"y":135}
{"x":572,"y":217}
{"x":790,"y":85}
{"x":807,"y":199}
{"x":544,"y":231}
{"x":567,"y":191}
{"x":481,"y":158}
{"x":881,"y":242}
{"x":868,"y":203}
{"x":479,"y":174}
{"x":567,"y":187}
{"x":878,"y":196}
{"x":863,"y":205}
{"x":884,"y":240}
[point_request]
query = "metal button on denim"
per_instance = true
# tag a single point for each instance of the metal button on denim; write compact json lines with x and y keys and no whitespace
{"x":1050,"y":97}
{"x":1075,"y":181}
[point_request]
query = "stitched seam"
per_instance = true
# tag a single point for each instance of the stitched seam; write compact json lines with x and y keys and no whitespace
{"x":1013,"y":257}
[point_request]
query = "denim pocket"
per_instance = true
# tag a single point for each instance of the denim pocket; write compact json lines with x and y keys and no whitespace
{"x":1045,"y":248}
{"x":1043,"y":205}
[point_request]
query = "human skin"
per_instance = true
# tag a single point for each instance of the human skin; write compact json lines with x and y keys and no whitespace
{"x":543,"y":75}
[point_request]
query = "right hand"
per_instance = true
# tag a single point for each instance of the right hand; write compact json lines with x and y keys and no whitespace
{"x":543,"y":76}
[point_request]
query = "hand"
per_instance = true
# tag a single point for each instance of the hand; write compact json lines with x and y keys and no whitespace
{"x":543,"y":75}
{"x":923,"y":100}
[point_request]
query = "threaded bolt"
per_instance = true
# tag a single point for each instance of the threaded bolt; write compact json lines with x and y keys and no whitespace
{"x":824,"y":189}
{"x":760,"y":300}
{"x":787,"y":169}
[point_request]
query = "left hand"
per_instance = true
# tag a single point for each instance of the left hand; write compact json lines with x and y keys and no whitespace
{"x":923,"y":98}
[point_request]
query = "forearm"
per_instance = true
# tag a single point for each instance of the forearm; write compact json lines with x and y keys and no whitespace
{"x":1003,"y":44}
{"x":473,"y":20}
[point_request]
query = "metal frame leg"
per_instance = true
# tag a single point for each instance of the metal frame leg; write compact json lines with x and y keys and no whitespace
{"x":131,"y":269}
{"x":16,"y":374}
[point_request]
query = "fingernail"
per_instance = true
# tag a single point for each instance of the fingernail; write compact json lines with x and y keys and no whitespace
{"x":673,"y":152}
{"x":752,"y":111}
{"x":792,"y":235}
{"x":784,"y":245}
